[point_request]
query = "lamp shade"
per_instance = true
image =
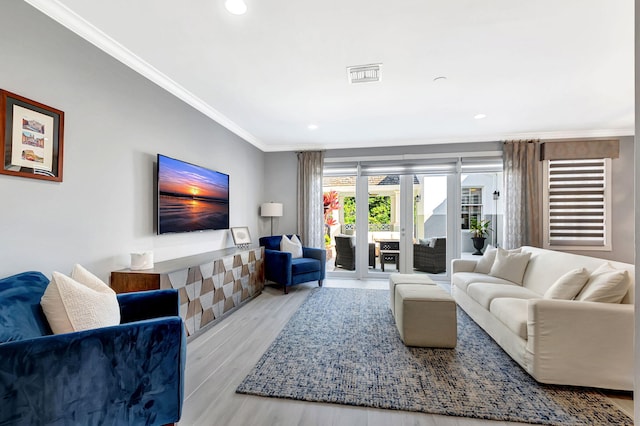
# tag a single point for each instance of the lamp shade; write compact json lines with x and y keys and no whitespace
{"x":271,"y":210}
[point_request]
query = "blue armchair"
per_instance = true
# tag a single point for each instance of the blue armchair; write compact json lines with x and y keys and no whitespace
{"x":132,"y":373}
{"x":281,"y":268}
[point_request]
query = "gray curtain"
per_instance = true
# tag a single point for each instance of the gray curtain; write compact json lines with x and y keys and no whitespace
{"x":523,"y":202}
{"x":310,"y":207}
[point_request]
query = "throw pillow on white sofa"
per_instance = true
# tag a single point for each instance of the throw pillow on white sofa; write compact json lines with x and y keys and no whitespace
{"x":606,"y":284}
{"x":484,"y":264}
{"x":510,"y":265}
{"x":79,"y":302}
{"x":568,"y":286}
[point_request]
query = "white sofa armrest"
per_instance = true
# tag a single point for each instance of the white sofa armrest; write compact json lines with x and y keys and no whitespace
{"x":581,"y":343}
{"x":463,"y":265}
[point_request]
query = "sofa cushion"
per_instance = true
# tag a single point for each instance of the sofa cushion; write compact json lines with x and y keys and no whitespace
{"x":293,"y":246}
{"x":606,"y":284}
{"x":513,"y":313}
{"x":484,"y":293}
{"x":510,"y":265}
{"x":484,"y":264}
{"x":20,"y":314}
{"x":568,"y":286}
{"x":463,"y":279}
{"x":79,"y":302}
{"x":303,"y":265}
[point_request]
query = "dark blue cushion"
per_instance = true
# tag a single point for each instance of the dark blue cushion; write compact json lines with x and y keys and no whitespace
{"x":303,"y":265}
{"x":21,"y":316}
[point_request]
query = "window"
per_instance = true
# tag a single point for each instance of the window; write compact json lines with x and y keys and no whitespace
{"x":577,"y":204}
{"x":471,"y":206}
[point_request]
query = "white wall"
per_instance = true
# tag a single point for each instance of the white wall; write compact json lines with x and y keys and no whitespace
{"x":115,"y":123}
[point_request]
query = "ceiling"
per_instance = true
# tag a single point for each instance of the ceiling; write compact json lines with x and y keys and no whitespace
{"x":537,"y":69}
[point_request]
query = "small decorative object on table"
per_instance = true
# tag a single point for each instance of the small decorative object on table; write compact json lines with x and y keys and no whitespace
{"x":241,"y":237}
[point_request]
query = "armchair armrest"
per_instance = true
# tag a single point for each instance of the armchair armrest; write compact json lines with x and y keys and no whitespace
{"x":148,"y":304}
{"x":581,"y":343}
{"x":463,"y":265}
{"x":125,"y":374}
{"x":316,"y":253}
{"x":277,"y":266}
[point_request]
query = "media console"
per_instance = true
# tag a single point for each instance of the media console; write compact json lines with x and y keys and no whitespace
{"x":211,"y":285}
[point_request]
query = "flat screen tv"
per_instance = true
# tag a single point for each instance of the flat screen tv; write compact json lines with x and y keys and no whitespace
{"x":191,"y":198}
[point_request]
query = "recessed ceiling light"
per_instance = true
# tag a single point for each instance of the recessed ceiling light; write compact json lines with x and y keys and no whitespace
{"x":237,"y":7}
{"x":312,"y":127}
{"x":480,"y":116}
{"x":440,"y":79}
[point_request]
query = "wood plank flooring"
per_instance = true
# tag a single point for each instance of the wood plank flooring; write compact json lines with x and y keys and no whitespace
{"x":220,"y":358}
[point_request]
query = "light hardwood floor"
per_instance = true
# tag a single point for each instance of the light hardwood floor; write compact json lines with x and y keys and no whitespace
{"x":220,"y":358}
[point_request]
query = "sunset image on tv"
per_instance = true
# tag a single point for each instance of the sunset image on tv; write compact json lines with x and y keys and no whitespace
{"x":191,"y":198}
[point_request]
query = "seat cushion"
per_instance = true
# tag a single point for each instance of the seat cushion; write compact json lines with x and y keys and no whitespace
{"x":484,"y":293}
{"x":513,"y":313}
{"x":304,"y":265}
{"x":463,"y":279}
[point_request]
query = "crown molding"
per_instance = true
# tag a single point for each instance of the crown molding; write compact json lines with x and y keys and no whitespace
{"x":545,"y":136}
{"x":74,"y":22}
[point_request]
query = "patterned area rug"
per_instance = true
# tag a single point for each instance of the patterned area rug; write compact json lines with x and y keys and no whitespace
{"x":342,"y":346}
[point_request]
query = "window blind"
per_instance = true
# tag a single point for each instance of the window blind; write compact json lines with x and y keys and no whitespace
{"x":577,"y":202}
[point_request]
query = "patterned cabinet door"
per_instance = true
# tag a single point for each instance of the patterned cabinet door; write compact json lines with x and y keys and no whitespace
{"x":210,"y":290}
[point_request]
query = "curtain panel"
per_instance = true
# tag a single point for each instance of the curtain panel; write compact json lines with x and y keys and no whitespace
{"x":310,"y":206}
{"x":523,"y":202}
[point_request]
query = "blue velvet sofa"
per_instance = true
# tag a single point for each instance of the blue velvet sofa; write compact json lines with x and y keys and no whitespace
{"x":129,"y":374}
{"x":282,"y":269}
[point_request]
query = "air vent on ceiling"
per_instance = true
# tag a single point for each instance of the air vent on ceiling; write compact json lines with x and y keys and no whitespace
{"x":364,"y":73}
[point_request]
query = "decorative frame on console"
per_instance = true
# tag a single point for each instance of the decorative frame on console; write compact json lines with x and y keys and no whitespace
{"x":241,"y":236}
{"x":31,"y":138}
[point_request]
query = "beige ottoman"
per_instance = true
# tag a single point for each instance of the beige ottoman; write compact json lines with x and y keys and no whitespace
{"x":395,"y":279}
{"x":426,"y":316}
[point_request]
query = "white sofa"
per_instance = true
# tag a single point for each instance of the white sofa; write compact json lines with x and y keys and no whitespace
{"x":567,"y":342}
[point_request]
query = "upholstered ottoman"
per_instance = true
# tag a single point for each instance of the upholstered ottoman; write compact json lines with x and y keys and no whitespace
{"x":425,"y":316}
{"x":395,"y":279}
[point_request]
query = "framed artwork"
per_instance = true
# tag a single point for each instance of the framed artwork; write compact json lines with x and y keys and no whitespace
{"x":241,"y":236}
{"x":31,"y":138}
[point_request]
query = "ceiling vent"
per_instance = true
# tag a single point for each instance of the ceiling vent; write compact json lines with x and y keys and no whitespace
{"x":364,"y":73}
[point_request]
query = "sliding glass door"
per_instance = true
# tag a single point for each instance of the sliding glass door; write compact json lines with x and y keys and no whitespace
{"x":408,"y":218}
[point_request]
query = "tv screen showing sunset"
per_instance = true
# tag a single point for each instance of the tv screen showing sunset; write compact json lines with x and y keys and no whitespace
{"x":190,"y":197}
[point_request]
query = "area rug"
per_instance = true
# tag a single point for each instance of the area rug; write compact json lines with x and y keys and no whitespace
{"x":342,"y":346}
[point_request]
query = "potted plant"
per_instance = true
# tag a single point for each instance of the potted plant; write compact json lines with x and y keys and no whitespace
{"x":479,"y":229}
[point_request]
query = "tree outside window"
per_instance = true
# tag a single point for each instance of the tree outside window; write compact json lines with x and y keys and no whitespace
{"x":379,"y":210}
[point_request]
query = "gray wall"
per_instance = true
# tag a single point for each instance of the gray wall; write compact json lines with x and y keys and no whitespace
{"x":281,"y":176}
{"x":116,"y":123}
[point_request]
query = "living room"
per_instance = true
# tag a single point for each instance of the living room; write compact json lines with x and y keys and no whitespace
{"x":116,"y":122}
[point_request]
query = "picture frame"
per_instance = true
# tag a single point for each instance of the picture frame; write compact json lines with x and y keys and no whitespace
{"x":31,"y":138}
{"x":241,"y":236}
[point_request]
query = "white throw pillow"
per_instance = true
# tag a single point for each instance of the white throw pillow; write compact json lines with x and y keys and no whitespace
{"x":79,"y":304}
{"x":568,"y":286}
{"x":510,"y":265}
{"x":606,"y":284}
{"x":484,"y":264}
{"x":293,"y":246}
